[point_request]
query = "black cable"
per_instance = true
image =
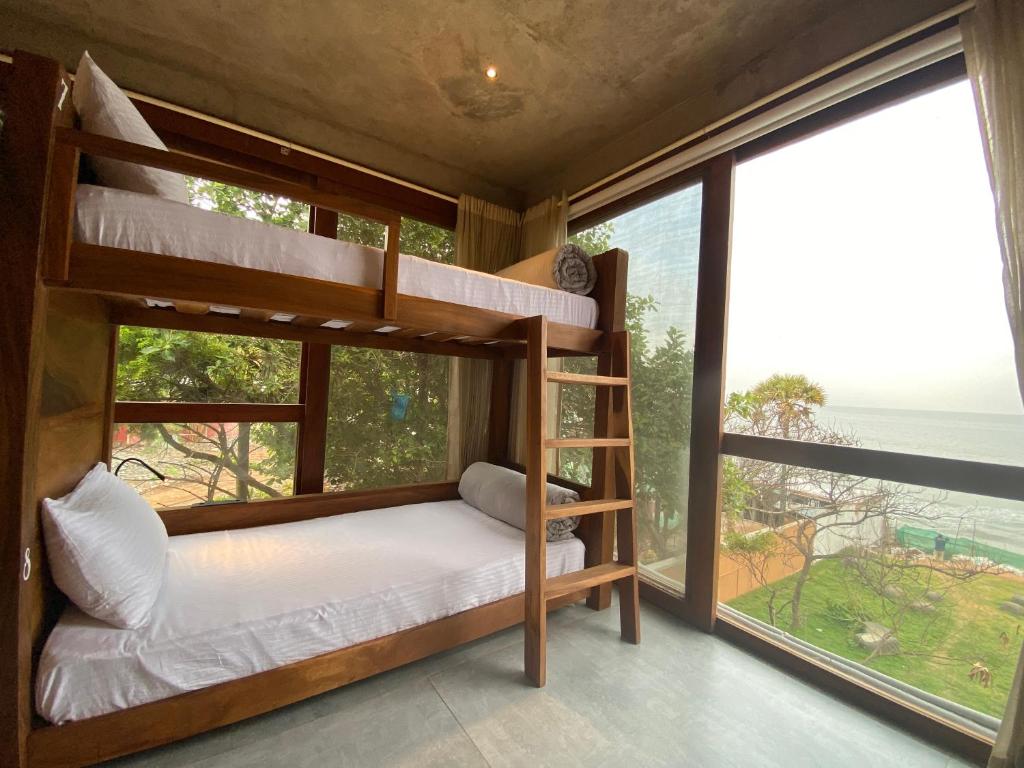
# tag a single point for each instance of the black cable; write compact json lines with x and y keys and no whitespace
{"x":139,"y":461}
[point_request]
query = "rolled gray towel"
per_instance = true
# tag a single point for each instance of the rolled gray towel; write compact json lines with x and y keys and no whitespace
{"x":574,"y":270}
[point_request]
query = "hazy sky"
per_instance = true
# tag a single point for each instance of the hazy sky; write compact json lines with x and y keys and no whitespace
{"x":866,"y":258}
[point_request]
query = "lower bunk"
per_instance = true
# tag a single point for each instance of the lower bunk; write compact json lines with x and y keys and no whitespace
{"x":250,"y":620}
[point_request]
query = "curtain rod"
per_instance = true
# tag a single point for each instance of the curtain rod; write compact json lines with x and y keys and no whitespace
{"x":956,"y":10}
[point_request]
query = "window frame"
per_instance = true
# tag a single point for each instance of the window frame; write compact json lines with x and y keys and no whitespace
{"x":710,"y":443}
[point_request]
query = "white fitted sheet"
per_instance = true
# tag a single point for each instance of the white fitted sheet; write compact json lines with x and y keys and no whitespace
{"x":235,"y":603}
{"x":138,"y":222}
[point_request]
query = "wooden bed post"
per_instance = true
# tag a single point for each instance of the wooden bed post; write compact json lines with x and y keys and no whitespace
{"x":499,"y":422}
{"x":389,"y":281}
{"x":598,"y":530}
{"x":34,"y":91}
{"x":536,"y":500}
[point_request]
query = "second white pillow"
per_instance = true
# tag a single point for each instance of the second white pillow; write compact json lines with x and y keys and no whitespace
{"x":104,"y":109}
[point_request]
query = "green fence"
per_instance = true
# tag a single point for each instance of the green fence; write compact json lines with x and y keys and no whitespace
{"x":924,"y":539}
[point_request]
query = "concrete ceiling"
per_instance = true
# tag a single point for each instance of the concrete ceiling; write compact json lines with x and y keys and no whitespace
{"x":584,"y":88}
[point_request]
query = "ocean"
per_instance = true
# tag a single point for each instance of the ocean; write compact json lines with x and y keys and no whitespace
{"x":993,"y":438}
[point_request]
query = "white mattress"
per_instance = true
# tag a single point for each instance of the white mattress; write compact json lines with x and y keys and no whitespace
{"x":239,"y":602}
{"x":120,"y":219}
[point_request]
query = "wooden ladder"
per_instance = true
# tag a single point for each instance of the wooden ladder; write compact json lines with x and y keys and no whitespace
{"x":611,"y":490}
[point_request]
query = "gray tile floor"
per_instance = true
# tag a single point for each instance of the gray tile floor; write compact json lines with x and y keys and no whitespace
{"x":681,"y":698}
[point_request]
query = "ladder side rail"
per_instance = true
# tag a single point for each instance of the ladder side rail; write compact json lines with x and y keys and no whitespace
{"x":600,"y":542}
{"x":536,"y":501}
{"x":624,"y":485}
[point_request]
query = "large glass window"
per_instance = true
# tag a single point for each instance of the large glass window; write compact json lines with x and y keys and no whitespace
{"x":247,"y":204}
{"x":865,"y":259}
{"x":897,"y":578}
{"x":206,"y":463}
{"x":663,"y":241}
{"x":416,"y":238}
{"x":387,"y":418}
{"x":866,"y":310}
{"x":211,"y":461}
{"x":186,"y":367}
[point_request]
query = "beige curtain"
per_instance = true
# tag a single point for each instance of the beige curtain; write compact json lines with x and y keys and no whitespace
{"x":487,"y":238}
{"x":544,"y":227}
{"x":994,"y":47}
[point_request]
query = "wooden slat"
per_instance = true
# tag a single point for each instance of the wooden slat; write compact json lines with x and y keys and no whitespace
{"x":625,"y":486}
{"x":304,"y":321}
{"x":96,"y":739}
{"x":323,"y":222}
{"x":132,"y":274}
{"x":314,"y":386}
{"x":116,"y":272}
{"x":445,"y":337}
{"x":389,"y":281}
{"x":103,"y":146}
{"x":365,"y":328}
{"x":999,"y":480}
{"x":132,"y":314}
{"x":535,"y":645}
{"x":610,"y":290}
{"x":196,"y":135}
{"x":133,"y":412}
{"x":191,"y":307}
{"x":704,"y":506}
{"x":60,"y":210}
{"x":588,"y":442}
{"x":500,"y":415}
{"x":257,"y":315}
{"x":563,"y":377}
{"x":559,"y":511}
{"x":223,"y":517}
{"x":587,"y":578}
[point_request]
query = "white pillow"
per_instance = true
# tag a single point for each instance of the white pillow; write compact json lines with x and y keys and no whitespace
{"x":501,"y":493}
{"x":104,"y":109}
{"x":106,"y":548}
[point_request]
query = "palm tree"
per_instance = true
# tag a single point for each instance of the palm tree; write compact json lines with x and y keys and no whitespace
{"x":789,"y":398}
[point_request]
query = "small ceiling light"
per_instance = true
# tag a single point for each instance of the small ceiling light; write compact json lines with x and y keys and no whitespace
{"x":491,"y":72}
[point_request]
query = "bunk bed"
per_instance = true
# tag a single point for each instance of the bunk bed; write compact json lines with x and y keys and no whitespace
{"x":129,"y":260}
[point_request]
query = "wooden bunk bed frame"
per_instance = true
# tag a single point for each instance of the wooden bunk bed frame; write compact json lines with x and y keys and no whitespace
{"x":63,"y":304}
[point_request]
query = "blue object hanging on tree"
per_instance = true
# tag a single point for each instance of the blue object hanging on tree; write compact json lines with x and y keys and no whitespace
{"x":399,"y":406}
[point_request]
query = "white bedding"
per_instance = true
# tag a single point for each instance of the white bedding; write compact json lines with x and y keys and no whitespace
{"x":239,"y":602}
{"x":120,"y":219}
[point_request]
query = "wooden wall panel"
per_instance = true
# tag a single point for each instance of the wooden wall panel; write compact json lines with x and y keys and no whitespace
{"x":33,"y":89}
{"x":73,"y":426}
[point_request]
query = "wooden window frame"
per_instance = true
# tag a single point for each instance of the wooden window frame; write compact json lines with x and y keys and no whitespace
{"x":709,"y":443}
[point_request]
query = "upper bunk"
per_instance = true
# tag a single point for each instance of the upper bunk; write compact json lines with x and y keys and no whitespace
{"x":163,"y":263}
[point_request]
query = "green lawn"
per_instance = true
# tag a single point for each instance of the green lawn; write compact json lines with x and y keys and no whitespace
{"x":937,"y":649}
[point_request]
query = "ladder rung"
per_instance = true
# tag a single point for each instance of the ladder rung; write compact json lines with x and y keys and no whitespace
{"x":563,"y":377}
{"x":587,"y":578}
{"x":588,"y":442}
{"x":558,"y":511}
